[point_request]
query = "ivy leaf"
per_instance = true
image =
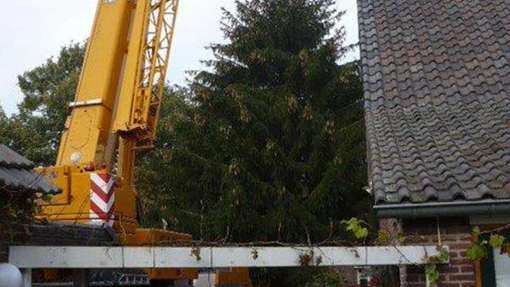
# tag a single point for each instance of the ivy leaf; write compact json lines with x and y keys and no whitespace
{"x":444,"y":255}
{"x":476,"y":231}
{"x":496,"y":241}
{"x":361,"y":233}
{"x":355,"y":225}
{"x":476,"y":252}
{"x":432,"y":274}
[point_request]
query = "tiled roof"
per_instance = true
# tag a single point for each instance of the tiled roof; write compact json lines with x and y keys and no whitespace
{"x":10,"y":159}
{"x":437,"y":98}
{"x":16,"y":174}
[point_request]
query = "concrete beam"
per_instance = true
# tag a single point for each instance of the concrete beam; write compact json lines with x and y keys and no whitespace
{"x":214,"y":257}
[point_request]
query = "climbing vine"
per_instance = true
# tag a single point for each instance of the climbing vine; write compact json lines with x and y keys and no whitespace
{"x":431,"y":270}
{"x":360,"y":230}
{"x":480,"y":247}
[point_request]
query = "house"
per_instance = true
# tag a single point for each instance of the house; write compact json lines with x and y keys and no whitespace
{"x":437,"y":99}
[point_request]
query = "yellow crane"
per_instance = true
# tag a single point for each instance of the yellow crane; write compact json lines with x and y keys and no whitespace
{"x":115,"y":111}
{"x":114,"y":115}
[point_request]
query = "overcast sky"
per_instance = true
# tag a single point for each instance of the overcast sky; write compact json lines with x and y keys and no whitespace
{"x":33,"y":30}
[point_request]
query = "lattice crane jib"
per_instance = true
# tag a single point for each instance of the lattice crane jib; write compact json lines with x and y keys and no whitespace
{"x":151,"y":41}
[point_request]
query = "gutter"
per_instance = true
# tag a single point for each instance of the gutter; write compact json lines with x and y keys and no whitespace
{"x":443,"y":209}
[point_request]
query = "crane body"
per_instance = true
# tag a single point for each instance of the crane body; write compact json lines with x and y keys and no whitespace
{"x":82,"y":150}
{"x":115,"y":114}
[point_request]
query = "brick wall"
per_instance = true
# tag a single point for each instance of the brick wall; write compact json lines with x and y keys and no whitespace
{"x":454,"y":232}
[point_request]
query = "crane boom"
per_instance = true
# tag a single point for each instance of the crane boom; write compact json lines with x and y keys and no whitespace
{"x":145,"y":77}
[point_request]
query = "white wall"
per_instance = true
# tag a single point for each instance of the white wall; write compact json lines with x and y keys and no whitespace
{"x":502,"y":264}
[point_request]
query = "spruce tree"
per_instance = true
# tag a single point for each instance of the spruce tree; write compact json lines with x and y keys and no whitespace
{"x":268,"y":144}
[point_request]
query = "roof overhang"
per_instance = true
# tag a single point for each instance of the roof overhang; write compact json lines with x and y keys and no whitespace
{"x":443,"y":209}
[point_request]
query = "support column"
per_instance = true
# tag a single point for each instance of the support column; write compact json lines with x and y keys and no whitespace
{"x":80,"y":278}
{"x":27,"y":277}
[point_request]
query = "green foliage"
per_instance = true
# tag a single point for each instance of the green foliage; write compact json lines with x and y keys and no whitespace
{"x":386,"y":238}
{"x":431,"y":271}
{"x":327,"y":278}
{"x":267,"y":144}
{"x":475,"y":232}
{"x":35,"y":132}
{"x":4,"y":123}
{"x":481,"y":247}
{"x":383,"y":237}
{"x":432,"y":274}
{"x":357,"y":227}
{"x":476,"y":251}
{"x":442,"y":258}
{"x":496,"y":241}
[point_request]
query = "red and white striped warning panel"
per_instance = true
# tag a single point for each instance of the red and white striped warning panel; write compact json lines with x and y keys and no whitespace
{"x":102,"y":198}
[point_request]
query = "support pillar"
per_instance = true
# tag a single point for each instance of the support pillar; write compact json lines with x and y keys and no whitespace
{"x":80,"y":278}
{"x":27,"y":277}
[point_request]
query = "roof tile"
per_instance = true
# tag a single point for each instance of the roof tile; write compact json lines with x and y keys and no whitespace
{"x":9,"y":158}
{"x":16,"y":174}
{"x":436,"y":76}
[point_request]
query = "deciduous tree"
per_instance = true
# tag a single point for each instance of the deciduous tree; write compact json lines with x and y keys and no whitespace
{"x":47,"y":90}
